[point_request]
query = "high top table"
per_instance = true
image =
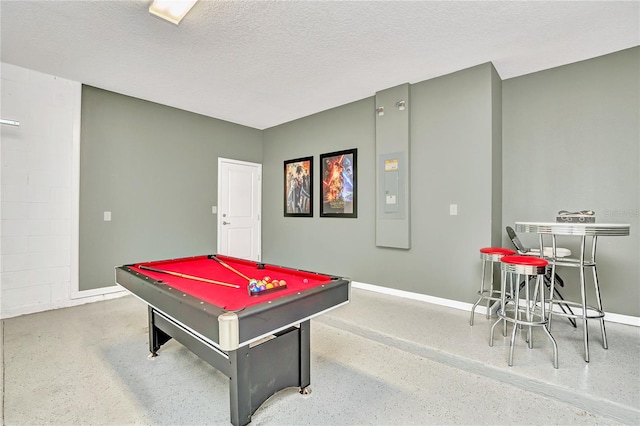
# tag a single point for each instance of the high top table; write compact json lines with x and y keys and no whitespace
{"x":586,"y":260}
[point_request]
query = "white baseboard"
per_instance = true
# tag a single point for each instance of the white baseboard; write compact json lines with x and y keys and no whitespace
{"x":622,"y":319}
{"x":81,"y":294}
{"x":610,"y":316}
{"x":414,"y":296}
{"x":78,"y":298}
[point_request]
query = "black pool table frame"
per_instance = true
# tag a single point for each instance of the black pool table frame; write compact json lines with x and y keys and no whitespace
{"x":261,"y":349}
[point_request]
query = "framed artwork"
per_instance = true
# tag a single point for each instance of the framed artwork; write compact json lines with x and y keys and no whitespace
{"x":338,"y":189}
{"x":298,"y":187}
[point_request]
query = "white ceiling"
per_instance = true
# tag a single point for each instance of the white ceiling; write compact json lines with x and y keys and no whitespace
{"x":261,"y":64}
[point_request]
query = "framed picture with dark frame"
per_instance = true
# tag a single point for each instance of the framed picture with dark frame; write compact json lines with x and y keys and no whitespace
{"x":298,"y":187}
{"x":339,"y":184}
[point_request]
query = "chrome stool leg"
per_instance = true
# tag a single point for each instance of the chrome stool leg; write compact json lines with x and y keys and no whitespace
{"x":503,"y":302}
{"x":488,"y":255}
{"x":599,"y":302}
{"x":481,"y":292}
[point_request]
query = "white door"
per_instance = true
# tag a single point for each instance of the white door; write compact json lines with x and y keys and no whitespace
{"x":239,"y":209}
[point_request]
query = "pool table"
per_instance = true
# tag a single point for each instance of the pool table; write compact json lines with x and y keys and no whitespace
{"x":261,"y":341}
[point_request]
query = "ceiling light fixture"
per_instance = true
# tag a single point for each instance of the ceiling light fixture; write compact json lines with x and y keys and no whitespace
{"x":10,"y":122}
{"x":171,"y":10}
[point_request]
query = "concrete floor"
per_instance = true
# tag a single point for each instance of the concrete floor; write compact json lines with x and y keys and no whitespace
{"x":381,"y":360}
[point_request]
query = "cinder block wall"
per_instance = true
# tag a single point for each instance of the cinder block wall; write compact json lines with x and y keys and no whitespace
{"x":36,"y":190}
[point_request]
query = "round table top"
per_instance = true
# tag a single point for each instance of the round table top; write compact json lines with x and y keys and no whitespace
{"x":592,"y":229}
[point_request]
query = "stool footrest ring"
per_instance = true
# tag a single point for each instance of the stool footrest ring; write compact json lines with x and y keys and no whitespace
{"x":532,"y":323}
{"x":592,"y":311}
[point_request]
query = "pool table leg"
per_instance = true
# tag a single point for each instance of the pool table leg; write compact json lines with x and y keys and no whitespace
{"x":305,"y":357}
{"x":157,"y":337}
{"x":239,"y":386}
{"x":256,"y":373}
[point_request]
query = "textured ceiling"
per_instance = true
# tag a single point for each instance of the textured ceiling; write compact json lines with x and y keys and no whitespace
{"x":261,"y":64}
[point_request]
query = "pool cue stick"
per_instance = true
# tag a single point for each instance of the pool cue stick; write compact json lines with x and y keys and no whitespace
{"x":231,"y":269}
{"x":189,"y":277}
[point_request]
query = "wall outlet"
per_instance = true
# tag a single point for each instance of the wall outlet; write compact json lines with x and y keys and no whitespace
{"x":214,"y":209}
{"x":107,"y":216}
{"x":453,"y":209}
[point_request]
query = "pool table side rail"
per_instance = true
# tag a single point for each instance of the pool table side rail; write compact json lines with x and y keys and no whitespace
{"x":230,"y":330}
{"x":192,"y":312}
{"x":258,"y":321}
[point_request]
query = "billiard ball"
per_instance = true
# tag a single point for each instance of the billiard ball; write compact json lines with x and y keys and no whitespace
{"x":305,"y":281}
{"x":283,"y":282}
{"x":266,"y":279}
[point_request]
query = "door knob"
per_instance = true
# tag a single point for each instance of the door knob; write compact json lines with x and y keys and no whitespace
{"x":226,"y":223}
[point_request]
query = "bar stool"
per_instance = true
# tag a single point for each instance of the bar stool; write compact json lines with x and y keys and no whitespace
{"x":551,"y":278}
{"x":489,"y":254}
{"x":529,"y":267}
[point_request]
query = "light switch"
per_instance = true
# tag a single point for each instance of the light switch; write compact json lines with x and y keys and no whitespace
{"x":453,"y":209}
{"x":107,"y":216}
{"x":214,"y":209}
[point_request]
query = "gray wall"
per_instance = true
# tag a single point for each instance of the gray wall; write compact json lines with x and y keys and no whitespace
{"x":452,"y":138}
{"x":568,"y":138}
{"x":156,"y":169}
{"x":571,"y":141}
{"x":497,"y":230}
{"x":331,"y":245}
{"x":522,"y":149}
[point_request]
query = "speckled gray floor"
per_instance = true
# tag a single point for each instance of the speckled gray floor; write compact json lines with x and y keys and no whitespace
{"x":381,"y":360}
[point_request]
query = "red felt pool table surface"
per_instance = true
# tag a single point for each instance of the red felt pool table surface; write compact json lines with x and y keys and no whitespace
{"x":229,"y":298}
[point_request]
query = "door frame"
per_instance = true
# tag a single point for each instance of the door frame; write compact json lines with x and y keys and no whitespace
{"x":222,"y":160}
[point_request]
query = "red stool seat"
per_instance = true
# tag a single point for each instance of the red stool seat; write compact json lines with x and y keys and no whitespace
{"x":497,"y":250}
{"x":494,"y":254}
{"x":489,"y":255}
{"x":526,"y":265}
{"x":524,"y":260}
